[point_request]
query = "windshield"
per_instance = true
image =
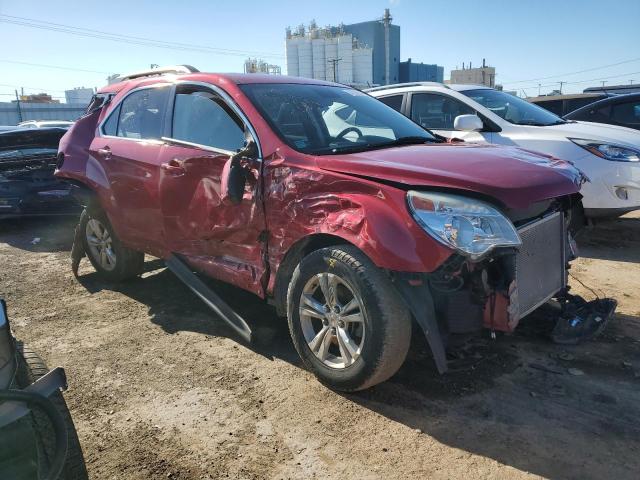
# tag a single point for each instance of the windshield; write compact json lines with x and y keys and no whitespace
{"x":324,"y":120}
{"x":513,"y":109}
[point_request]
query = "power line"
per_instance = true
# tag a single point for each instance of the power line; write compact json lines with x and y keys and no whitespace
{"x":54,"y":66}
{"x":574,"y":73}
{"x":130,"y":39}
{"x":581,"y":81}
{"x":32,"y":88}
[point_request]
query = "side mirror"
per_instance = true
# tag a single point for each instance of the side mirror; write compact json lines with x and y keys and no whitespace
{"x":234,"y":173}
{"x":468,"y":123}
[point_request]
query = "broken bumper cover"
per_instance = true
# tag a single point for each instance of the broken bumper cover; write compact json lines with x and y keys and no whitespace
{"x":24,"y":199}
{"x":462,"y":297}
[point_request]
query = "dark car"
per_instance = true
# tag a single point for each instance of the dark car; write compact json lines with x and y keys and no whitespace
{"x":27,"y":185}
{"x":350,"y":231}
{"x":623,"y":110}
{"x":563,"y":104}
{"x":37,"y":437}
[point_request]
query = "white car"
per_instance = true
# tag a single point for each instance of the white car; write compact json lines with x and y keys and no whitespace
{"x":609,"y":155}
{"x":45,"y":124}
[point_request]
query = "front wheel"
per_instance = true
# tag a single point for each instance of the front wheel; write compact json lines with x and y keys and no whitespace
{"x":347,"y":322}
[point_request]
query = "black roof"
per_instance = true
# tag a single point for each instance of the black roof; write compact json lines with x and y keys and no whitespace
{"x":629,"y":97}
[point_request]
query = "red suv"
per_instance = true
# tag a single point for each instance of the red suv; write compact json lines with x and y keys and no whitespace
{"x":348,"y":217}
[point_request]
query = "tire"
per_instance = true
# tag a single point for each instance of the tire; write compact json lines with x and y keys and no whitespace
{"x":121,"y":263}
{"x":30,"y":368}
{"x":377,"y":326}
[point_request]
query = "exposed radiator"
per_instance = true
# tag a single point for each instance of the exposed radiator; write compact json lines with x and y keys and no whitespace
{"x":540,"y":263}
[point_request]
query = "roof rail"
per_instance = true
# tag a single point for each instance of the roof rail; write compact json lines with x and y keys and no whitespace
{"x":159,"y":71}
{"x":409,"y":84}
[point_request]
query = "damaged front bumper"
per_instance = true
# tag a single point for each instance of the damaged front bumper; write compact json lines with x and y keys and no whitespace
{"x":462,"y":297}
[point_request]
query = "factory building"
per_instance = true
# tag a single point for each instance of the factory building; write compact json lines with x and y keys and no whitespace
{"x":257,"y":65}
{"x":362,"y":54}
{"x":420,"y":72}
{"x":474,"y":76}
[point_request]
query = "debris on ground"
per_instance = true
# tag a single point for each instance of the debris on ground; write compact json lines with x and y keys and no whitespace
{"x":581,"y":320}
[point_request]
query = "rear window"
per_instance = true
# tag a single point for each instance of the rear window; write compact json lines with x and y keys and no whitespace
{"x":142,"y":114}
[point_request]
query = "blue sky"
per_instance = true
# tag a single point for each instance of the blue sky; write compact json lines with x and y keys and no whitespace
{"x":523,"y":39}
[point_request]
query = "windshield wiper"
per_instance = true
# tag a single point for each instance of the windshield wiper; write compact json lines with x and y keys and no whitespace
{"x":411,"y":140}
{"x":540,"y":124}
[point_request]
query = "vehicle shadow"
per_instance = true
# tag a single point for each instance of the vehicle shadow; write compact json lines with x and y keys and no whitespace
{"x":511,"y":399}
{"x":523,"y":408}
{"x":181,"y":310}
{"x":614,"y":239}
{"x":39,"y":234}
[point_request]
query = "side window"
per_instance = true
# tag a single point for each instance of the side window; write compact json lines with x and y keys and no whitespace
{"x":142,"y":114}
{"x":110,"y":127}
{"x":626,"y":112}
{"x":202,"y":117}
{"x":436,"y":112}
{"x":394,"y":101}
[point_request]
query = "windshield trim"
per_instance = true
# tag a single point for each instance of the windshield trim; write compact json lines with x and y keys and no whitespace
{"x":274,"y":128}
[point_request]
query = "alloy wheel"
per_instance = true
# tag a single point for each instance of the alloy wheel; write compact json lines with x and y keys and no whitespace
{"x":332,"y":320}
{"x":100,"y":244}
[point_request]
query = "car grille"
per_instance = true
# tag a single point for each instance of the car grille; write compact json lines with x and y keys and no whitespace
{"x":540,"y":262}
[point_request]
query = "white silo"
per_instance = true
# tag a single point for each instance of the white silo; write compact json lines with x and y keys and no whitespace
{"x":345,"y":56}
{"x":291,"y":46}
{"x":363,"y":66}
{"x":305,"y":58}
{"x":319,"y":59}
{"x":331,"y":54}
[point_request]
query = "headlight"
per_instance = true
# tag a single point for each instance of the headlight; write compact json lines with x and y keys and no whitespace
{"x":609,"y":151}
{"x":470,"y":226}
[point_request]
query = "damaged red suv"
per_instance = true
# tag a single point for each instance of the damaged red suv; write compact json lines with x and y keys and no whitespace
{"x":349,"y":218}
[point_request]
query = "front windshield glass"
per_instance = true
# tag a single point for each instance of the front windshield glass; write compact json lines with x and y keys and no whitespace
{"x":324,"y":120}
{"x":513,"y":109}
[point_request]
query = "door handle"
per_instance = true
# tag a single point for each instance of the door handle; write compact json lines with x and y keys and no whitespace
{"x":174,"y":167}
{"x":105,"y":153}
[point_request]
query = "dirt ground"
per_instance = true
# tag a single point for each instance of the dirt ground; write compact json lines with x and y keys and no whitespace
{"x":160,"y":389}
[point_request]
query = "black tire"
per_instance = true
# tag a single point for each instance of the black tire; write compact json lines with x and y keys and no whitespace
{"x":30,"y":368}
{"x":386,"y":318}
{"x":128,"y":263}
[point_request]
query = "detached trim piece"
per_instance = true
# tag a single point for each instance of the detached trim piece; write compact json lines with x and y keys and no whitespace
{"x":415,"y":291}
{"x":178,"y":266}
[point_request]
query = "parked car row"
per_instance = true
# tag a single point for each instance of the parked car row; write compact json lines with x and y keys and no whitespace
{"x":608,"y":155}
{"x":346,"y":215}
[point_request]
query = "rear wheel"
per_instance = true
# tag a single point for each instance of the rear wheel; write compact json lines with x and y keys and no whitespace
{"x":106,"y":253}
{"x":31,"y":368}
{"x":346,"y":320}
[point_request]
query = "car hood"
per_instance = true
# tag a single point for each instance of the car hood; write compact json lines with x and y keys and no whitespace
{"x":513,"y":176}
{"x":595,"y":131}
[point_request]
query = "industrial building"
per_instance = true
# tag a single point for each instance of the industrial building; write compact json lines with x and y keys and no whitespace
{"x":420,"y":72}
{"x":474,"y":76}
{"x":256,"y":65}
{"x":361,"y":54}
{"x":79,"y":95}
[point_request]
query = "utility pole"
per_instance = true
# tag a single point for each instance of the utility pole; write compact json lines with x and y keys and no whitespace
{"x":334,"y":63}
{"x":603,"y":82}
{"x":19,"y":107}
{"x":539,"y":85}
{"x":561,"y":83}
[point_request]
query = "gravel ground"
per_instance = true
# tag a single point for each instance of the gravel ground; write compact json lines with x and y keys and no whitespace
{"x":160,"y":389}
